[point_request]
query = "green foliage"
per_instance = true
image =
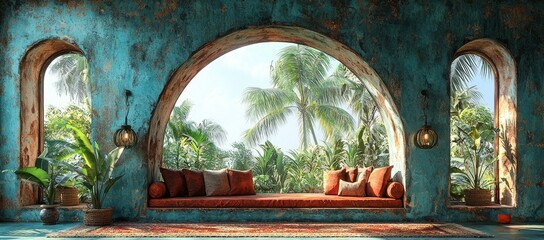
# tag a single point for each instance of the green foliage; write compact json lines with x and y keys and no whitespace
{"x":241,"y":157}
{"x":97,"y":170}
{"x":46,"y":174}
{"x":56,"y":119}
{"x":191,"y":145}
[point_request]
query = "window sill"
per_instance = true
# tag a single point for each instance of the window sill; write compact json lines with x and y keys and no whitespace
{"x":461,"y":206}
{"x":76,"y":207}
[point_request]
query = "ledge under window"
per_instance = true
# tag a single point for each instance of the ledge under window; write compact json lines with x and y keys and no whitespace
{"x":76,"y":207}
{"x":462,"y":206}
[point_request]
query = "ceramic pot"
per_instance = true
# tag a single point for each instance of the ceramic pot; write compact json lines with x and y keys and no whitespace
{"x":49,"y":214}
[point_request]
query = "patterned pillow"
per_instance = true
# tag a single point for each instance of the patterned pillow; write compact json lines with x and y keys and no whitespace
{"x":377,"y":182}
{"x":331,"y":181}
{"x":175,"y":182}
{"x":356,"y":189}
{"x":241,"y":182}
{"x":195,"y":182}
{"x":216,"y":182}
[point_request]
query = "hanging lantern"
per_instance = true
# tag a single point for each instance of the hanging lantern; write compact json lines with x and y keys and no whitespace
{"x":426,"y":137}
{"x":125,"y":136}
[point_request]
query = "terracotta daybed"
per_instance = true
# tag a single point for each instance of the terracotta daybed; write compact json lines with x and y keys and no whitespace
{"x":276,"y":200}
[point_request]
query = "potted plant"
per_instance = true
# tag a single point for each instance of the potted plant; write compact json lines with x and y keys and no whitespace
{"x":470,"y":170}
{"x":48,"y":176}
{"x":96,"y":174}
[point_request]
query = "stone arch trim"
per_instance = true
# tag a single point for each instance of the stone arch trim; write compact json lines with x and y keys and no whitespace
{"x":205,"y":55}
{"x":32,"y":70}
{"x":505,"y":73}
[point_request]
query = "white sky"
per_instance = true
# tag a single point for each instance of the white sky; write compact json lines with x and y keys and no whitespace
{"x":216,"y":92}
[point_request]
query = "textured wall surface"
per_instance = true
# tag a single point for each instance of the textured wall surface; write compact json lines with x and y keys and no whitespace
{"x":138,"y":45}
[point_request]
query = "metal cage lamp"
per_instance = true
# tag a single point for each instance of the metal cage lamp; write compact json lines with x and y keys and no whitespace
{"x":426,"y":137}
{"x":125,"y":136}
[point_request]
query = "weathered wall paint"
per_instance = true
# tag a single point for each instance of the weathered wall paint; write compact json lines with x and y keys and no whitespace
{"x":138,"y":45}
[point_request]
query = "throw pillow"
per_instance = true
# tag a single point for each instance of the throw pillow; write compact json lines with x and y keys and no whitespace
{"x":195,"y":182}
{"x":331,"y":181}
{"x":175,"y":182}
{"x":157,"y":190}
{"x":363,"y":173}
{"x":351,"y":174}
{"x":241,"y":182}
{"x":377,"y":182}
{"x":216,"y":182}
{"x":356,"y":189}
{"x":395,"y":190}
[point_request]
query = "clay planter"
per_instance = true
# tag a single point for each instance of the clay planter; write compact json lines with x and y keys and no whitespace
{"x":97,"y":217}
{"x":477,"y":197}
{"x":49,"y":214}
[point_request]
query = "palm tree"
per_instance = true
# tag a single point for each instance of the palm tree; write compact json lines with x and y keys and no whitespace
{"x":73,"y":73}
{"x":301,"y":86}
{"x":465,"y":68}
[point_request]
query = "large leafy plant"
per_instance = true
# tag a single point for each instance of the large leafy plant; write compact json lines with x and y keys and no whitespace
{"x":97,"y":170}
{"x":472,"y":170}
{"x":46,"y":174}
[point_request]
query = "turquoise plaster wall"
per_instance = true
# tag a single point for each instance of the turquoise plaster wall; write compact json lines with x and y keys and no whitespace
{"x":137,"y":45}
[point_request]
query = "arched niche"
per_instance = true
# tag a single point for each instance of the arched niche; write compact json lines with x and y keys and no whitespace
{"x":31,"y":70}
{"x":504,"y":72}
{"x":205,"y":55}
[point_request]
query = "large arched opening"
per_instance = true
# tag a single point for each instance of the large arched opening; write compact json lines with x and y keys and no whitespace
{"x":200,"y":59}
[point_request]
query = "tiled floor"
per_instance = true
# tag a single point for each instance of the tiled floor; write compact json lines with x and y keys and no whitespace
{"x":38,"y":231}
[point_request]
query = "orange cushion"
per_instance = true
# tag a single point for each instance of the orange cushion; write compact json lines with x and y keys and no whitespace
{"x":277,"y":200}
{"x":395,"y":190}
{"x":157,"y":190}
{"x":241,"y":182}
{"x":331,"y":181}
{"x":175,"y":182}
{"x":351,"y":174}
{"x":377,"y":182}
{"x":195,"y":182}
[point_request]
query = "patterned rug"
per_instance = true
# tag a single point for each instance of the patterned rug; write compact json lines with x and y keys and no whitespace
{"x":272,"y":230}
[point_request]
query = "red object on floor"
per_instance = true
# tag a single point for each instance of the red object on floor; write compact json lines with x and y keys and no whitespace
{"x":290,"y":200}
{"x":503,"y":218}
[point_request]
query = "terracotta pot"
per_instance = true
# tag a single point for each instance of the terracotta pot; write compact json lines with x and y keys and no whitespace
{"x":97,"y":217}
{"x":49,"y":214}
{"x":477,"y":197}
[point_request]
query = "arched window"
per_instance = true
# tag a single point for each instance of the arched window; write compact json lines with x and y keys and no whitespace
{"x":32,"y":136}
{"x":292,"y":103}
{"x":483,"y":122}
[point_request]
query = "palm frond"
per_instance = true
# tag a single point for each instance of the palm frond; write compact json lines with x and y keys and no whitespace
{"x":267,"y":125}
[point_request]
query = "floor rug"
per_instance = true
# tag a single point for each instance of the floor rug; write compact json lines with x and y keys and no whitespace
{"x":272,"y":230}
